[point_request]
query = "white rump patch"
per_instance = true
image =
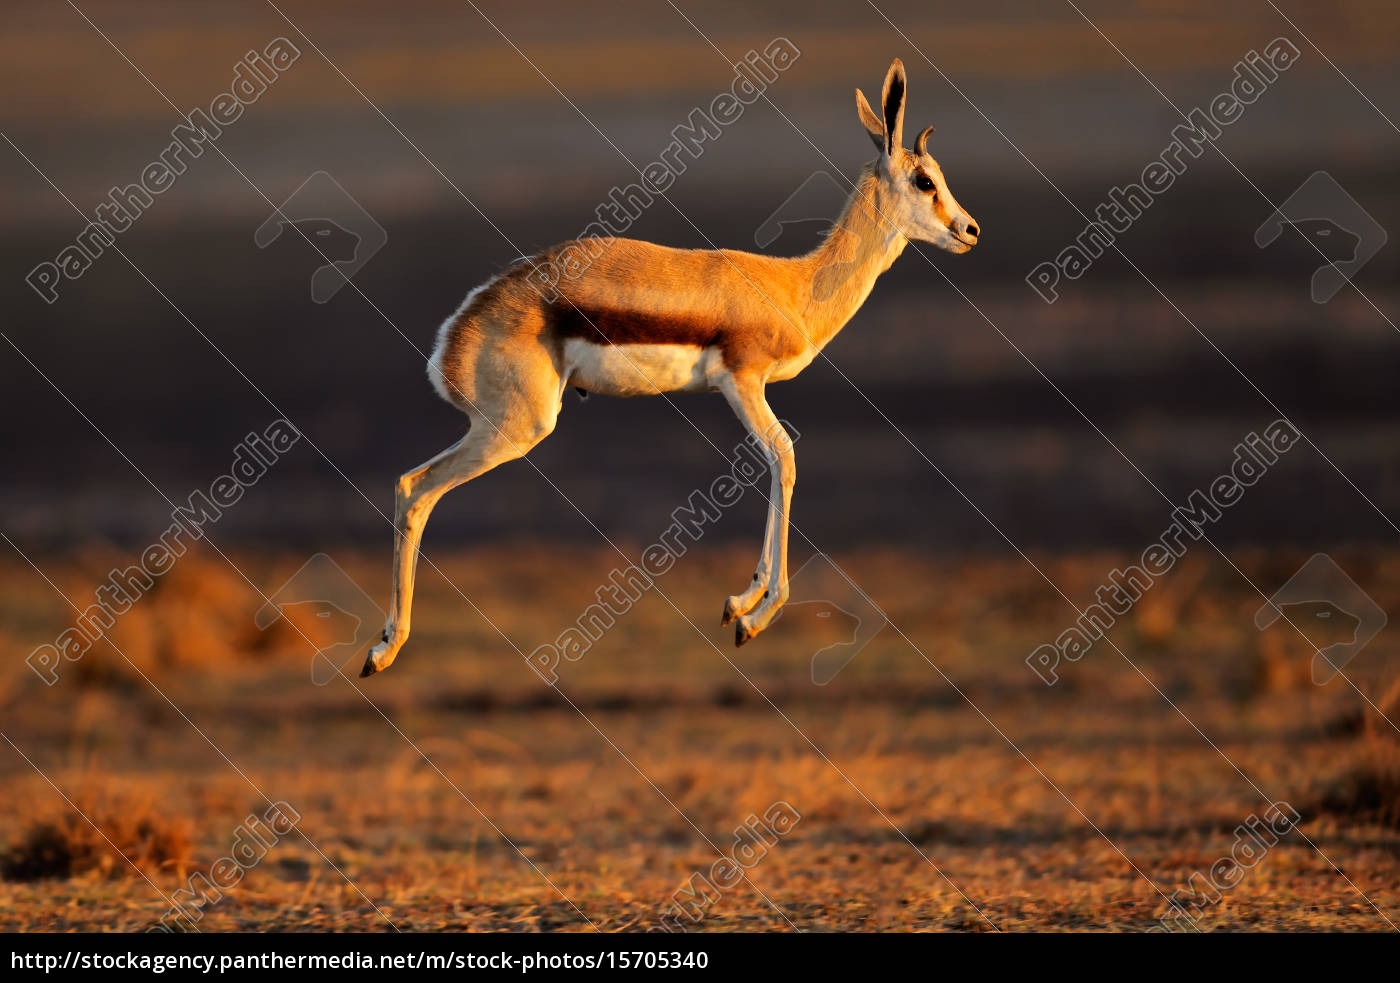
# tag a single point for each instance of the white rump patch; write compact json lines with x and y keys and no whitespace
{"x":436,"y":375}
{"x":639,"y":370}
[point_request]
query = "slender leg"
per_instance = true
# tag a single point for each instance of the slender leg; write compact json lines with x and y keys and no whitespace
{"x":741,"y":604}
{"x":483,"y":448}
{"x":769,"y":589}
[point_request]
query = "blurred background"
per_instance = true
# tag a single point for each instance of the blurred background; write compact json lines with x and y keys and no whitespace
{"x":975,"y":458}
{"x":486,"y":150}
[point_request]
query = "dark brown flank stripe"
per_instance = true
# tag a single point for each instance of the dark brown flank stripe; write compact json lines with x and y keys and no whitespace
{"x":602,"y":326}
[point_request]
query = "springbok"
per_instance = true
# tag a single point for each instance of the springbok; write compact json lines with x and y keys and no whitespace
{"x":642,"y":319}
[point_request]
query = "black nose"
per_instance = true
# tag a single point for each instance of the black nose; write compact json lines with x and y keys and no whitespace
{"x":972,"y":230}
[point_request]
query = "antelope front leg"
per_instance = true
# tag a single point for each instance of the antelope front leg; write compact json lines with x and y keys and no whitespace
{"x":756,"y":607}
{"x":741,"y":604}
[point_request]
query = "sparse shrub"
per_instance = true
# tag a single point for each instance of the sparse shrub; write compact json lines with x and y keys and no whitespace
{"x":198,"y":615}
{"x":1367,"y":789}
{"x":69,"y":846}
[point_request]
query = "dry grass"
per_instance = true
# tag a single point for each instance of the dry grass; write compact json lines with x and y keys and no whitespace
{"x":105,"y":835}
{"x":1367,"y":789}
{"x":194,"y":617}
{"x":671,"y":731}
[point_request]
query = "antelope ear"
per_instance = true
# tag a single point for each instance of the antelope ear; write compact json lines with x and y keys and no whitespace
{"x":892,"y":101}
{"x":870,"y":121}
{"x":921,"y":144}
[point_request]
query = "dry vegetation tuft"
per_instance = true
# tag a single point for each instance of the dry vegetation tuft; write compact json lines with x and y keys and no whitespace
{"x":1367,"y":788}
{"x":112,"y":837}
{"x":195,"y":616}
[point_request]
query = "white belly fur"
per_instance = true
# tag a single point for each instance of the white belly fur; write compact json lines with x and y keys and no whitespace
{"x":639,"y":370}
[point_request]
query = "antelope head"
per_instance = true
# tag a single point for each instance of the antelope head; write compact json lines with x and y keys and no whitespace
{"x":913,"y":194}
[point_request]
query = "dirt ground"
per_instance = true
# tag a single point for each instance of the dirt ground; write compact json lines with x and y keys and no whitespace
{"x":938,"y":783}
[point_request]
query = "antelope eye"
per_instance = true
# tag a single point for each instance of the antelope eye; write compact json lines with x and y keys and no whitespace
{"x":923,"y":182}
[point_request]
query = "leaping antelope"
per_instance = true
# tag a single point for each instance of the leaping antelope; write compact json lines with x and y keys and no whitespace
{"x":643,"y":319}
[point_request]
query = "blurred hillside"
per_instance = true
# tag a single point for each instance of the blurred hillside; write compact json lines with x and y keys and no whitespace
{"x":481,"y":158}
